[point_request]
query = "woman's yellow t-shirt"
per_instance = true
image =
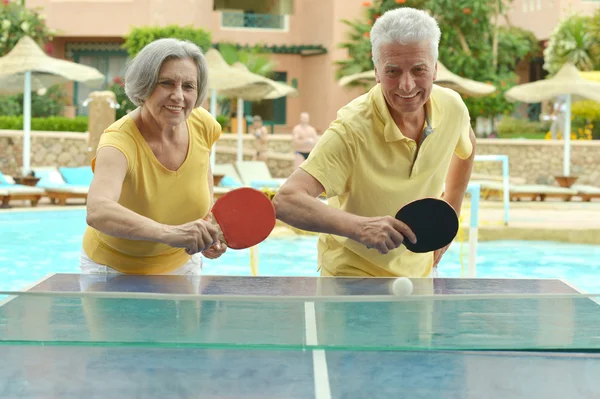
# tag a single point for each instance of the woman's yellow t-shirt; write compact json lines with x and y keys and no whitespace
{"x":151,"y":190}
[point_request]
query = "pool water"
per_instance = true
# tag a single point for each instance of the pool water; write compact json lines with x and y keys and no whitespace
{"x":36,"y":243}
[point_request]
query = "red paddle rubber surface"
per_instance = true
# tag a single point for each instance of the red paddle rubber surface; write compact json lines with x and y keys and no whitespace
{"x":246,"y":217}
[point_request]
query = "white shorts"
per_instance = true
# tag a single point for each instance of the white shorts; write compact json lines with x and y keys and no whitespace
{"x":93,"y":272}
{"x":192,"y":267}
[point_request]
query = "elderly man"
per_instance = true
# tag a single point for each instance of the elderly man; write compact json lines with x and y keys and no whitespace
{"x":401,"y":141}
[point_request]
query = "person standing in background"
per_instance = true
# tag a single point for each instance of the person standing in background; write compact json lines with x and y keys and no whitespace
{"x":304,"y":138}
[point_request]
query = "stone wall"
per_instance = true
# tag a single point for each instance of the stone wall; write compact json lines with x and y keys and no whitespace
{"x":278,"y":143}
{"x":280,"y":157}
{"x":47,"y":149}
{"x":538,"y":161}
{"x":535,"y":161}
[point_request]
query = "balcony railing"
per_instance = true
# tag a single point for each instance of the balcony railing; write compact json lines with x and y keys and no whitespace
{"x":231,"y":19}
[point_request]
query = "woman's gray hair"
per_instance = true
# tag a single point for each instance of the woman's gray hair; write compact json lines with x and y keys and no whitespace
{"x":142,"y":72}
{"x":405,"y":26}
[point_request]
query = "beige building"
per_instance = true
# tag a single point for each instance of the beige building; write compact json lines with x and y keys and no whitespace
{"x":541,"y":16}
{"x":305,"y":33}
{"x":91,"y":32}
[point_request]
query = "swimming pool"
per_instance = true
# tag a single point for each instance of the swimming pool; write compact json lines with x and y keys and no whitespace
{"x":35,"y":243}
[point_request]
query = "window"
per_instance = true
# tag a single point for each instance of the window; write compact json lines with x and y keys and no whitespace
{"x":108,"y":58}
{"x":251,"y":20}
{"x":273,"y":112}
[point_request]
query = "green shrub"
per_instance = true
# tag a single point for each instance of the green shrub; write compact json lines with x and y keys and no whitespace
{"x":596,"y":130}
{"x":586,"y":109}
{"x":51,"y":103}
{"x":51,"y":124}
{"x":587,"y":112}
{"x":571,"y":41}
{"x":510,"y":127}
{"x":223,"y":121}
{"x":139,"y":37}
{"x":125,"y":105}
{"x":9,"y":106}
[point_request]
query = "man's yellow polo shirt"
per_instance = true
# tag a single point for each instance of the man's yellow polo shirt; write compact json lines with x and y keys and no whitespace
{"x":369,"y":168}
{"x":151,"y":190}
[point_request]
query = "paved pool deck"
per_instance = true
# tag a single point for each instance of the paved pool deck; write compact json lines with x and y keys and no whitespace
{"x":549,"y":221}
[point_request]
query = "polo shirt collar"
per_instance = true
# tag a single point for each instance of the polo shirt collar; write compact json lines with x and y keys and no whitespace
{"x":391,"y":132}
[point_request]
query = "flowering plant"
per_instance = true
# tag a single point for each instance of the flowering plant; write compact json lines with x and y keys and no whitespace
{"x":17,"y":21}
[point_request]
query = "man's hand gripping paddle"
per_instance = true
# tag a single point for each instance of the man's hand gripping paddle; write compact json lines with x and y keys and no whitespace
{"x":433,"y":221}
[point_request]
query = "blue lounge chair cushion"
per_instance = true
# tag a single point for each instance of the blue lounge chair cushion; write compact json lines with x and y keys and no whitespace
{"x":230,"y":182}
{"x":264,"y":184}
{"x":78,"y":176}
{"x":3,"y":179}
{"x":49,"y":178}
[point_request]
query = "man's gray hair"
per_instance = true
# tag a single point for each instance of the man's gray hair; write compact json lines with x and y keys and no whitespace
{"x":405,"y":26}
{"x":142,"y":72}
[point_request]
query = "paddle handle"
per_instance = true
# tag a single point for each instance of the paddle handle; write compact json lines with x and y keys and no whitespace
{"x":221,"y":235}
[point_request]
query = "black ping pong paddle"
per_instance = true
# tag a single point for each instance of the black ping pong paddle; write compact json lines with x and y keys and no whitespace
{"x":433,"y":221}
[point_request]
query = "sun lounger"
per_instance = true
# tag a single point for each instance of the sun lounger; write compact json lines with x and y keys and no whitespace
{"x":62,"y":184}
{"x":11,"y":191}
{"x":3,"y":193}
{"x":218,"y":192}
{"x":526,"y":191}
{"x":541,"y":192}
{"x":60,"y":195}
{"x":230,"y":179}
{"x":256,"y":174}
{"x":476,"y":177}
{"x":586,"y":192}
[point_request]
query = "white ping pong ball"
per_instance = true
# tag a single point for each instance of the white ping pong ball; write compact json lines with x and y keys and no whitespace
{"x":402,"y":286}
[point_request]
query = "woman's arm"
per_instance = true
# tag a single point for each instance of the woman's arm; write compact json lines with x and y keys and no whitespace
{"x":105,"y":214}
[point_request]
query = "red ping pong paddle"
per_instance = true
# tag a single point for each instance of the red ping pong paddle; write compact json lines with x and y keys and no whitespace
{"x":433,"y":221}
{"x":245,"y":216}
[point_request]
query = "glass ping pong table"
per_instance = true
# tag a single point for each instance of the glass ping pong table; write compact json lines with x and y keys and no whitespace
{"x":120,"y":336}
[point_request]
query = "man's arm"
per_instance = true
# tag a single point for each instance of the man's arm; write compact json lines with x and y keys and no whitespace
{"x":296,"y":204}
{"x":458,"y":177}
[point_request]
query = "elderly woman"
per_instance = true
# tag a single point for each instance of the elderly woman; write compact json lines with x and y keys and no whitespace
{"x":148,"y":207}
